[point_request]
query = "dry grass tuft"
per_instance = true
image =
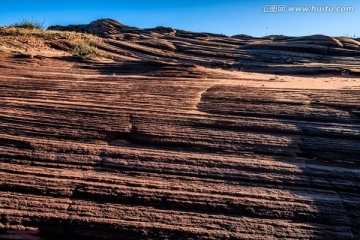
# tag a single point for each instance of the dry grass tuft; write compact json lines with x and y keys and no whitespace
{"x":86,"y":49}
{"x":29,"y":24}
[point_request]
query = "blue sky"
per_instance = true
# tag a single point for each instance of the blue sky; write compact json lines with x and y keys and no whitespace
{"x":223,"y":16}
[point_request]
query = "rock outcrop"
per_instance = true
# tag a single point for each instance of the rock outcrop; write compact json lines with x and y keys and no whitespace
{"x":153,"y":143}
{"x":101,"y":27}
{"x":317,"y":54}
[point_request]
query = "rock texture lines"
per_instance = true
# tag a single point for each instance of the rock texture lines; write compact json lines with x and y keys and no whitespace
{"x":169,"y":150}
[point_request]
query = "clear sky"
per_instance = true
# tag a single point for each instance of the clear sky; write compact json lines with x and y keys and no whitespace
{"x":229,"y":17}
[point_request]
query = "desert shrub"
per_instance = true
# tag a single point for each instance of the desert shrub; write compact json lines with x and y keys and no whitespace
{"x":86,"y":49}
{"x":29,"y":24}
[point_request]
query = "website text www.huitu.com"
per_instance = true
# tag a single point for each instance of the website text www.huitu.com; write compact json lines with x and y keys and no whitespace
{"x":310,"y":9}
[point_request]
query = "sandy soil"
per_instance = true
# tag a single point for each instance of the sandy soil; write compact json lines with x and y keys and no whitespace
{"x":285,"y":81}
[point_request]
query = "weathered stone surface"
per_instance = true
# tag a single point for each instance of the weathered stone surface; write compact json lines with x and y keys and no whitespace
{"x":316,"y":54}
{"x":170,"y":153}
{"x":101,"y":27}
{"x":152,"y":143}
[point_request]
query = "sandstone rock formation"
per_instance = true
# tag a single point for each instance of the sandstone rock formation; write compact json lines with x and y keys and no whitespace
{"x":315,"y":54}
{"x":156,"y":142}
{"x":101,"y":27}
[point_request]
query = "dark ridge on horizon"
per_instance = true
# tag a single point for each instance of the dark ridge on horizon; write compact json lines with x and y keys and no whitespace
{"x":88,"y":28}
{"x":315,"y":54}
